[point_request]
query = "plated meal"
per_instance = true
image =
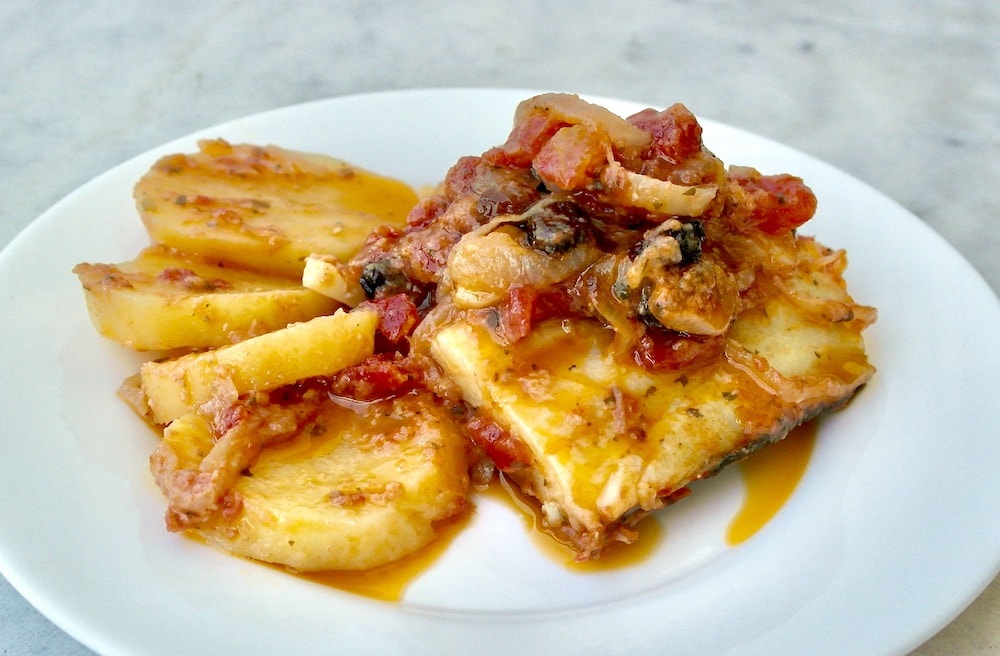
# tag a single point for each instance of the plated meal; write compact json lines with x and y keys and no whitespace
{"x":597,"y":309}
{"x":83,"y":538}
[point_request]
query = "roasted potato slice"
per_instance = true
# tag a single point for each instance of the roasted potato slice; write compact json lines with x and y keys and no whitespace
{"x":349,"y":490}
{"x":164,"y":300}
{"x":318,"y":347}
{"x":266,"y":208}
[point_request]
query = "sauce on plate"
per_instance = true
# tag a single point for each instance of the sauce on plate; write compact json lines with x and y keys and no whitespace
{"x":770,"y":476}
{"x":390,"y":581}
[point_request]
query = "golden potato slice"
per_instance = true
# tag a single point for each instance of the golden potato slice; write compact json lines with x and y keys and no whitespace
{"x":266,"y":208}
{"x":351,"y":491}
{"x":164,"y":300}
{"x":318,"y":347}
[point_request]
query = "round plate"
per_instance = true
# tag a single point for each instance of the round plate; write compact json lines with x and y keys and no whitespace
{"x":891,"y":533}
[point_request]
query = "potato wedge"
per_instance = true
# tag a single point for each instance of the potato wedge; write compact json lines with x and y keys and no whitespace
{"x":350,"y":491}
{"x":317,"y":347}
{"x":266,"y":208}
{"x":164,"y":300}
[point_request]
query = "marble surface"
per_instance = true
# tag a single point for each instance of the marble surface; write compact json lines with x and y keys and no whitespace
{"x":903,"y":95}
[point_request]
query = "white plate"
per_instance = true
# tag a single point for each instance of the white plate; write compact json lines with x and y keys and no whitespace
{"x":892,"y":532}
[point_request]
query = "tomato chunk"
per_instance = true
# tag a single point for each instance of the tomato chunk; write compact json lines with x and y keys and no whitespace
{"x":397,"y":316}
{"x":571,"y":158}
{"x":507,"y":452}
{"x":525,"y":140}
{"x":525,"y":306}
{"x":676,"y":132}
{"x":777,"y":203}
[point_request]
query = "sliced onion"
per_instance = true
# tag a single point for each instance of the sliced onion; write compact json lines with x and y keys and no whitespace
{"x":655,"y":195}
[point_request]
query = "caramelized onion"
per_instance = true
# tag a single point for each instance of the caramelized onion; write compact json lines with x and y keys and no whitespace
{"x":657,"y":196}
{"x":482,"y":267}
{"x":594,"y":287}
{"x":802,"y":390}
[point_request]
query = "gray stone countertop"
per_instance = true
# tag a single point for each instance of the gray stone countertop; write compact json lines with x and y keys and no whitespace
{"x":902,"y":95}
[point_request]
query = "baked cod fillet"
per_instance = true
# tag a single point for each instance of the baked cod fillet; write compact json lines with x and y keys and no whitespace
{"x":621,"y":313}
{"x":600,"y":441}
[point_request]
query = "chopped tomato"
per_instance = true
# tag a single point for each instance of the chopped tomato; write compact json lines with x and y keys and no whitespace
{"x":525,"y":306}
{"x":525,"y":140}
{"x":777,"y":203}
{"x":506,"y":451}
{"x":377,"y":377}
{"x":426,"y":211}
{"x":397,"y":316}
{"x":659,"y":350}
{"x":675,"y":130}
{"x":570,"y":159}
{"x":460,"y":179}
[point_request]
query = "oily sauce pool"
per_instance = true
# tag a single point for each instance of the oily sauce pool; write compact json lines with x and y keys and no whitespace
{"x":770,"y":475}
